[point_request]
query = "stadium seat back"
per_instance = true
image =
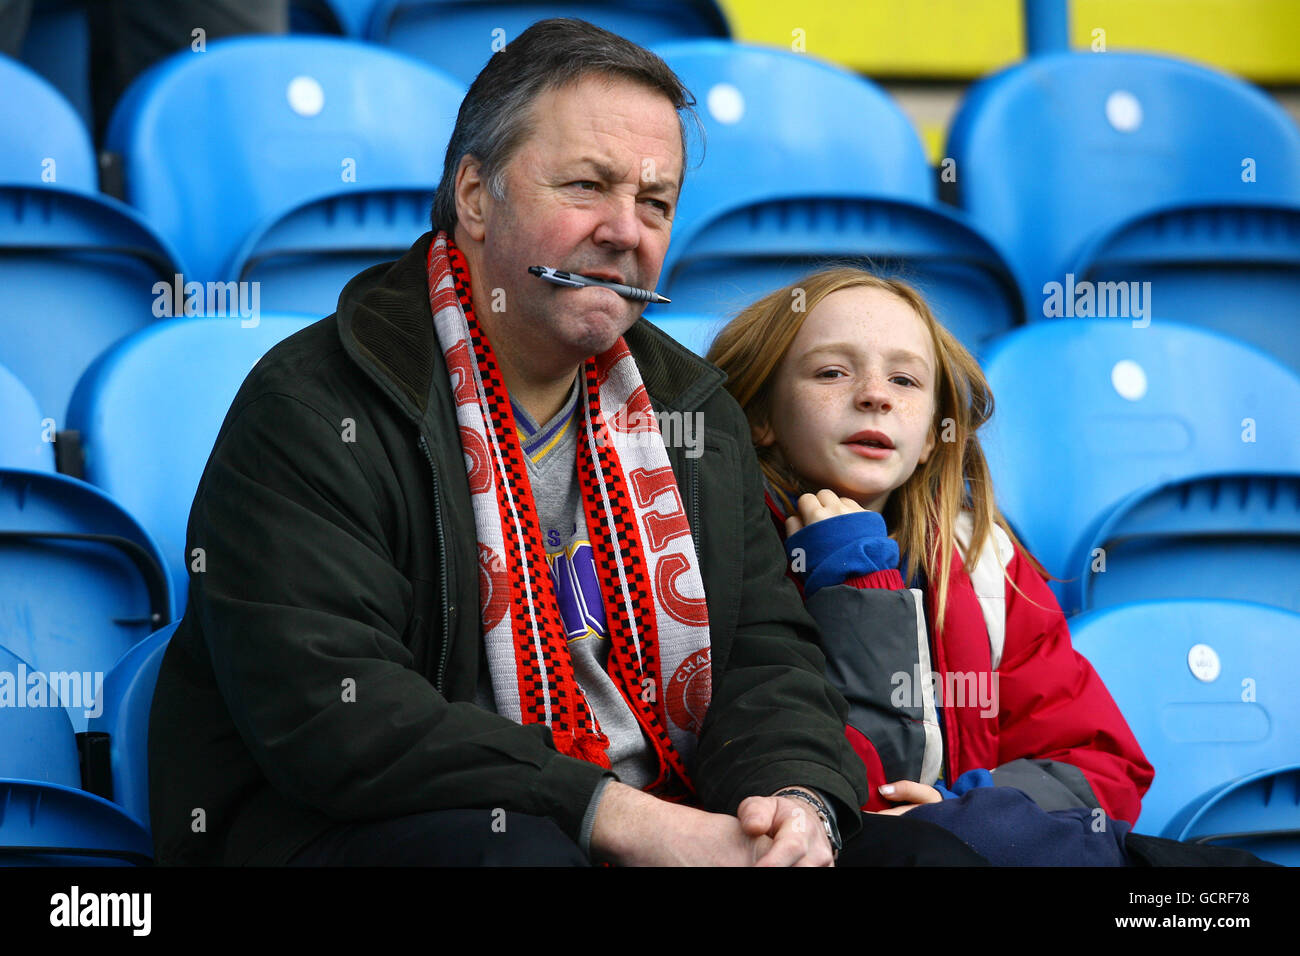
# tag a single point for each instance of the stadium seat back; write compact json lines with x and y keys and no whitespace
{"x":128,"y":696}
{"x":149,"y":412}
{"x":45,"y":140}
{"x":784,"y":125}
{"x":694,"y":331}
{"x":724,"y":264}
{"x":1208,"y":688}
{"x":80,"y":581}
{"x":302,"y":260}
{"x":46,"y":818}
{"x":460,"y":37}
{"x":78,"y":273}
{"x":21,"y":441}
{"x":270,"y":123}
{"x":1059,"y":147}
{"x":1232,"y":268}
{"x":38,"y":738}
{"x":1222,"y":536}
{"x":1087,"y":413}
{"x":350,"y":18}
{"x":1259,"y":813}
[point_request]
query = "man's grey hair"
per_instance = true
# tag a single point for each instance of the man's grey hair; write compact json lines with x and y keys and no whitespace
{"x":493,"y":121}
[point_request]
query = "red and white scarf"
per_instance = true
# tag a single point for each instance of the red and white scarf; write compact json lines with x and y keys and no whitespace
{"x":641,"y":542}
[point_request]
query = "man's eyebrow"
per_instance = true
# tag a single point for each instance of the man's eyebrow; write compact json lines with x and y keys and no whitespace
{"x":606,"y":173}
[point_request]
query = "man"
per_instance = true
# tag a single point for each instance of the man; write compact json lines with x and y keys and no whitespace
{"x":458,"y":589}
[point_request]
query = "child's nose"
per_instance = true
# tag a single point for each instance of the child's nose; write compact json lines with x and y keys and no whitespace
{"x":873,"y":394}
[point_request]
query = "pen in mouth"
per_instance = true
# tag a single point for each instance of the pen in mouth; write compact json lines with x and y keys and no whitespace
{"x":575,"y":281}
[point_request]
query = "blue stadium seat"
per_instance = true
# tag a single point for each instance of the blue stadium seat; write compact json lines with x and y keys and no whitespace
{"x":745,"y":252}
{"x":696,"y":332}
{"x":45,"y":141}
{"x":1089,"y":413}
{"x":286,"y":120}
{"x":459,"y":36}
{"x":78,"y":273}
{"x":302,"y":259}
{"x":149,"y":411}
{"x":39,"y":743}
{"x":781,"y":123}
{"x":349,"y":18}
{"x":832,"y":171}
{"x":80,"y":580}
{"x":1233,"y":268}
{"x":45,"y":816}
{"x":1208,"y":688}
{"x":22,"y":444}
{"x":128,"y":695}
{"x":1225,"y":536}
{"x":1259,"y":812}
{"x":1055,"y":151}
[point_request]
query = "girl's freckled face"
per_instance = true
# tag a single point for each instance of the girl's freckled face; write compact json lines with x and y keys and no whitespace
{"x":853,"y":399}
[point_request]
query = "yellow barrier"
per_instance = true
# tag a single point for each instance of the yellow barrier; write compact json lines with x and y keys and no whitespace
{"x":963,"y":39}
{"x":1256,"y":39}
{"x":939,"y":38}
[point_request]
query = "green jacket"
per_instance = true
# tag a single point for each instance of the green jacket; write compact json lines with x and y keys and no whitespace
{"x":327,"y":662}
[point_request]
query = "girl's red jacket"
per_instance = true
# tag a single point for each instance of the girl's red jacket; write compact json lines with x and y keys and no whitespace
{"x":1038,"y":715}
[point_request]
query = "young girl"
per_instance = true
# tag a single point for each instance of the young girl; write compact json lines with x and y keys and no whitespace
{"x":958,"y":668}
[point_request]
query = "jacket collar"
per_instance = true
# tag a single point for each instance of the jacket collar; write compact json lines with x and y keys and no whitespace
{"x":386,"y":326}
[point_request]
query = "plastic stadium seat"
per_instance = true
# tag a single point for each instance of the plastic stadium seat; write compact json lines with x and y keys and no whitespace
{"x":1233,"y":268}
{"x":1208,"y":688}
{"x":271,"y":123}
{"x":1226,"y":536}
{"x":128,"y":695}
{"x":349,"y":18}
{"x":149,"y":411}
{"x":1259,"y":812}
{"x":747,"y":251}
{"x":806,"y":164}
{"x":80,"y":580}
{"x":79,"y":272}
{"x":21,"y":441}
{"x":303,"y":259}
{"x":1057,"y":150}
{"x":45,"y":141}
{"x":45,"y":816}
{"x":781,"y":123}
{"x":696,"y":332}
{"x":459,"y":36}
{"x":57,"y":46}
{"x":39,"y":743}
{"x":1089,"y":413}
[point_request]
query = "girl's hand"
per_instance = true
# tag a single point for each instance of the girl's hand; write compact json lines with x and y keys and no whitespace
{"x":814,"y":508}
{"x":908,"y":792}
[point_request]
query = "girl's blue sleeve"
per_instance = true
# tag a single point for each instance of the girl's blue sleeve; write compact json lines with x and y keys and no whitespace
{"x":835,"y":549}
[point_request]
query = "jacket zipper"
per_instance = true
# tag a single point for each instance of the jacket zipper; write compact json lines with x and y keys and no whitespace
{"x":442,"y":568}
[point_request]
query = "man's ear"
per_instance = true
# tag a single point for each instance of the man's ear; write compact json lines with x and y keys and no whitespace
{"x":471,"y":193}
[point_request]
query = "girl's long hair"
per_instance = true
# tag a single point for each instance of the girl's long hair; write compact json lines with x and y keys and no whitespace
{"x":922,"y":512}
